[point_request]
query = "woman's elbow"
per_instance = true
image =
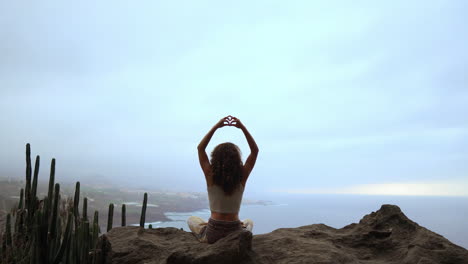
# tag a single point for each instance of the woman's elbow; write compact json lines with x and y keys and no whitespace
{"x":255,"y":151}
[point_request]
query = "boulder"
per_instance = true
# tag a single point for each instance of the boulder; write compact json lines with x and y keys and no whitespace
{"x":385,"y":236}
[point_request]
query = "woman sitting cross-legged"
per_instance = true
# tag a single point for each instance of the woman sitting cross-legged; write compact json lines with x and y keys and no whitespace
{"x":226,"y":177}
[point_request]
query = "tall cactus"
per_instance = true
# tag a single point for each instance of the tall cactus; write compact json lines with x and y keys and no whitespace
{"x":143,"y":210}
{"x":20,"y":205}
{"x":124,"y":220}
{"x":17,"y":220}
{"x":42,"y":218}
{"x":53,"y":225}
{"x":19,"y":225}
{"x":85,"y":209}
{"x":27,"y":193}
{"x":95,"y":228}
{"x":103,"y":247}
{"x":85,"y":237}
{"x":31,"y":206}
{"x":96,"y":218}
{"x":65,"y":241}
{"x":110,"y":217}
{"x":51,"y":184}
{"x":76,"y":201}
{"x":8,"y":231}
{"x":3,"y":248}
{"x":35,"y":178}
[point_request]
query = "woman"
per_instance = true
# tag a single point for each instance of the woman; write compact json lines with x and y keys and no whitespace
{"x":225,"y":176}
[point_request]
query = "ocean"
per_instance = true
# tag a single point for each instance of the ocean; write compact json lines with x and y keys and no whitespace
{"x":447,"y":216}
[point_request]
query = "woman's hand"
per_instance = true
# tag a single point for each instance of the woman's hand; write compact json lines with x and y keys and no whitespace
{"x":236,"y":122}
{"x":223,"y":122}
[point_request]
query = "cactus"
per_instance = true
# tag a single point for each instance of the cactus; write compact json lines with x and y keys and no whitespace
{"x":36,"y":174}
{"x":20,"y":205}
{"x":95,"y":234}
{"x":27,"y":193}
{"x":85,"y":209}
{"x":50,"y":230}
{"x":8,"y":231}
{"x":76,"y":201}
{"x":110,"y":217}
{"x":20,"y":222}
{"x":85,"y":242}
{"x":143,"y":210}
{"x":3,"y":248}
{"x":41,"y":236}
{"x":124,"y":220}
{"x":65,"y":241}
{"x":103,"y":250}
{"x":51,"y":183}
{"x":53,"y":225}
{"x":32,"y":205}
{"x":58,"y":234}
{"x":96,"y":218}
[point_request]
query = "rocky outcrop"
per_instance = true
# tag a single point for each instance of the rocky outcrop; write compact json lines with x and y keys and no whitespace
{"x":385,"y":236}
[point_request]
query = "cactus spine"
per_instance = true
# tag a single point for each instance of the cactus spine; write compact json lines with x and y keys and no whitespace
{"x":143,"y":210}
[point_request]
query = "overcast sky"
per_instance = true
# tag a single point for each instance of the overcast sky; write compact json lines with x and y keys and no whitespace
{"x":341,"y":96}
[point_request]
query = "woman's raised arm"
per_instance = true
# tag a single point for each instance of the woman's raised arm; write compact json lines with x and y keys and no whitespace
{"x":250,"y":162}
{"x":203,"y":158}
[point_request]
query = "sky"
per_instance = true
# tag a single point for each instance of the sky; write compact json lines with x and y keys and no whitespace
{"x":365,"y":97}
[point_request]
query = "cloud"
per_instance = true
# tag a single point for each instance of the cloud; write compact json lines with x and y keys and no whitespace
{"x":332,"y":92}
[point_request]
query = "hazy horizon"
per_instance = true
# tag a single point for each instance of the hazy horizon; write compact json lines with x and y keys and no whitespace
{"x":342,"y":98}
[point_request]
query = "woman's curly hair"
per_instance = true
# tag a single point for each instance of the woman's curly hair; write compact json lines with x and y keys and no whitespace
{"x":226,"y":166}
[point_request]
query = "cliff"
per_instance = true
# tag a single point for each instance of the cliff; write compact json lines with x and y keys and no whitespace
{"x":385,"y":236}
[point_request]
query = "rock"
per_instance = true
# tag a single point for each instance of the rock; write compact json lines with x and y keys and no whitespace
{"x":385,"y":236}
{"x":172,"y":245}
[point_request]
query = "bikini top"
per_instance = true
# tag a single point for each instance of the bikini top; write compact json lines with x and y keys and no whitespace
{"x":223,"y":203}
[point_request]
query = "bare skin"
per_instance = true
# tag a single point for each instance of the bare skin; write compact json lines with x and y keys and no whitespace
{"x":206,"y":166}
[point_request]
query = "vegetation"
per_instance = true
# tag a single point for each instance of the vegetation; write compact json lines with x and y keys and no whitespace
{"x":51,"y":230}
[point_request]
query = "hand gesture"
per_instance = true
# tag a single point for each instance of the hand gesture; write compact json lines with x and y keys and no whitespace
{"x":229,"y":121}
{"x":222,"y":122}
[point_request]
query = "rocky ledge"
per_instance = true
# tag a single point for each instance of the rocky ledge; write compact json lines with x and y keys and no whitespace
{"x":385,"y":236}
